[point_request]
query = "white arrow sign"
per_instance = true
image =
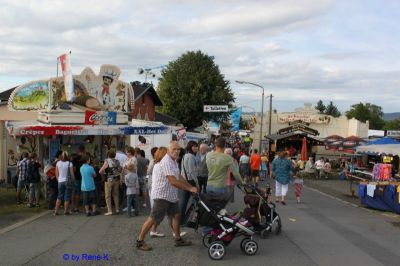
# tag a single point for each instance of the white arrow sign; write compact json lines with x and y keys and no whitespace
{"x":215,"y":108}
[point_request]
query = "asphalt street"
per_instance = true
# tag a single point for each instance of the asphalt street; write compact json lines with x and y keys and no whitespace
{"x":322,"y":230}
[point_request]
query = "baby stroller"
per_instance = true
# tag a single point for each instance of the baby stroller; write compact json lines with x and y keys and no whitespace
{"x":207,"y":210}
{"x":261,"y":213}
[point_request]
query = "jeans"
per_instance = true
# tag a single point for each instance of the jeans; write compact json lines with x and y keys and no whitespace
{"x":212,"y":189}
{"x":203,"y":184}
{"x":131,"y":204}
{"x":34,"y":190}
{"x":184,"y":197}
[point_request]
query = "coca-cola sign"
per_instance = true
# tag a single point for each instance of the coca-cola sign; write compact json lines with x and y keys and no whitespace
{"x":100,"y":118}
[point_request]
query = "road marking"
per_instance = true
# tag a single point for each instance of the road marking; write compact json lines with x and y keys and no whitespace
{"x":23,"y":222}
{"x":292,"y":220}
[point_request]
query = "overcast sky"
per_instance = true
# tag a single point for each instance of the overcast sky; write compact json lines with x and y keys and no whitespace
{"x":299,"y":50}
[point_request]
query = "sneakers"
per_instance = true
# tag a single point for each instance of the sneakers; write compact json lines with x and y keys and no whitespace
{"x":117,"y":211}
{"x":88,"y":214}
{"x":37,"y":205}
{"x":124,"y":209}
{"x":108,"y":213}
{"x":283,"y":203}
{"x":75,"y":210}
{"x":29,"y":205}
{"x":182,"y":234}
{"x":156,"y":234}
{"x":141,"y":245}
{"x":144,"y":205}
{"x":181,"y":243}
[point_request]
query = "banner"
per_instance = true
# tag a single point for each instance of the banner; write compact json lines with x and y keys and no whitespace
{"x":235,"y":119}
{"x":100,"y":118}
{"x":65,"y":61}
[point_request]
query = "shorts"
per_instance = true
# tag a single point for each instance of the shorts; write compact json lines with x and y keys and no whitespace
{"x":163,"y":207}
{"x":254,"y":173}
{"x":89,"y":197}
{"x":64,"y":193}
{"x":143,"y":184}
{"x":77,"y":187}
{"x":20,"y":184}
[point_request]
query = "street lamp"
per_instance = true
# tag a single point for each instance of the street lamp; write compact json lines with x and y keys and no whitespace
{"x":262,"y":107}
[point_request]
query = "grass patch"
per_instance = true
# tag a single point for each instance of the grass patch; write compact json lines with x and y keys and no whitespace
{"x":9,"y":206}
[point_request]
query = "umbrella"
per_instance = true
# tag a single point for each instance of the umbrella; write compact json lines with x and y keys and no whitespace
{"x":304,"y":150}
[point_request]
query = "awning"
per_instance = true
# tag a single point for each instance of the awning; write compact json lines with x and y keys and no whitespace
{"x":39,"y":129}
{"x":393,"y":149}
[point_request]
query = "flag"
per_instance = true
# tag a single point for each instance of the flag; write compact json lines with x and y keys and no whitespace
{"x":65,"y":61}
{"x":235,"y":119}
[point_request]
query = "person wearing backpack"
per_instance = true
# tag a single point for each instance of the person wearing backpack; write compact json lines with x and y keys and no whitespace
{"x":112,"y":171}
{"x":34,"y":180}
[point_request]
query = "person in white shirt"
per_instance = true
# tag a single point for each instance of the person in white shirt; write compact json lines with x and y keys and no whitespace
{"x":319,"y":166}
{"x":64,"y":171}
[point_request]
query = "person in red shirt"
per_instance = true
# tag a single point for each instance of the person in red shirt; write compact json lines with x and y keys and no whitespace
{"x":255,"y":162}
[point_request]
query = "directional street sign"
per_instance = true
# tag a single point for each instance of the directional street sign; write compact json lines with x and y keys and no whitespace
{"x":215,"y":108}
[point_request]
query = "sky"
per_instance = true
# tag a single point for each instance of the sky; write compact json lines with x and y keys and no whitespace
{"x":298,"y":50}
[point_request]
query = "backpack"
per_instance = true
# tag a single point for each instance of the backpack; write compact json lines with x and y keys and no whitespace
{"x":113,"y":169}
{"x":32,"y":172}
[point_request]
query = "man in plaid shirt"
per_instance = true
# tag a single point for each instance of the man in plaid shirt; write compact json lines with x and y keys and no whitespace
{"x":164,"y":191}
{"x":22,"y":167}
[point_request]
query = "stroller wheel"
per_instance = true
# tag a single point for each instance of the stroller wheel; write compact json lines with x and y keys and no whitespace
{"x":264,"y":233}
{"x":216,"y":250}
{"x":278,"y":226}
{"x":249,"y":247}
{"x":207,"y":239}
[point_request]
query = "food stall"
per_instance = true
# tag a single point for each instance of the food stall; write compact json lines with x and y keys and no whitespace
{"x":93,"y":113}
{"x":382,"y":191}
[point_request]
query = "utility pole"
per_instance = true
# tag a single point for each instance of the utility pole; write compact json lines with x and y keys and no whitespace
{"x":270,"y":114}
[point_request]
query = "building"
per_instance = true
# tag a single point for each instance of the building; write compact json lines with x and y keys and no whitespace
{"x":288,"y":129}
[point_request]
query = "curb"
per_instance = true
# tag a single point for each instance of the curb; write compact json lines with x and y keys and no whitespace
{"x":387,"y":214}
{"x":23,"y":222}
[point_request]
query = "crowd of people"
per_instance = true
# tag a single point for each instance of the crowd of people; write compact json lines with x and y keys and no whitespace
{"x":166,"y":182}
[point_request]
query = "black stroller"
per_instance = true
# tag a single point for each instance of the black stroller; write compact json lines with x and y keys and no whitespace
{"x":261,"y":212}
{"x":207,"y":210}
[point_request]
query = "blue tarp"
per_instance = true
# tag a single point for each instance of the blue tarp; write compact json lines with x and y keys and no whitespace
{"x":389,"y":201}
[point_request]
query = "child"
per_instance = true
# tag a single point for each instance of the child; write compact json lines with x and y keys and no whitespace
{"x":88,"y":187}
{"x":132,"y":188}
{"x":298,"y":185}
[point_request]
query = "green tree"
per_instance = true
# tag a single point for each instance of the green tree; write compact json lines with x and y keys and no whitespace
{"x":392,"y":124}
{"x":332,"y":110}
{"x":320,"y":107}
{"x":188,"y":83}
{"x":371,"y":112}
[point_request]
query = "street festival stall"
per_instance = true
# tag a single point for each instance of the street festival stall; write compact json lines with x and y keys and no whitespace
{"x":89,"y":110}
{"x":382,"y":192}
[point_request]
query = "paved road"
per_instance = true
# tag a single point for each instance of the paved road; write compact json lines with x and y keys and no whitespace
{"x":320,"y":231}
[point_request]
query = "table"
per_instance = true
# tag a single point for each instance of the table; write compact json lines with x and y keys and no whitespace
{"x":386,"y":201}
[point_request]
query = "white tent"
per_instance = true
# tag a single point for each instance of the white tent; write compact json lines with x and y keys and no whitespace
{"x":393,"y":149}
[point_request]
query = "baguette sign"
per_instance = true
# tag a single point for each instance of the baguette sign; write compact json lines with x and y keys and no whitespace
{"x":100,"y":118}
{"x":215,"y":108}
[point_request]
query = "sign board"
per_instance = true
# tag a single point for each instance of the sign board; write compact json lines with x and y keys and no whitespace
{"x":100,"y":118}
{"x":298,"y":127}
{"x":393,"y":133}
{"x":215,"y":108}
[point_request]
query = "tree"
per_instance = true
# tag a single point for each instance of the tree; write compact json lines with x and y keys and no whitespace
{"x":370,"y":112}
{"x":392,"y":124}
{"x":188,"y":83}
{"x":332,"y":110}
{"x":320,"y":107}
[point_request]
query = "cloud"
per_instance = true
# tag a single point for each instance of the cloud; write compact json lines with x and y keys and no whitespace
{"x":298,"y":50}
